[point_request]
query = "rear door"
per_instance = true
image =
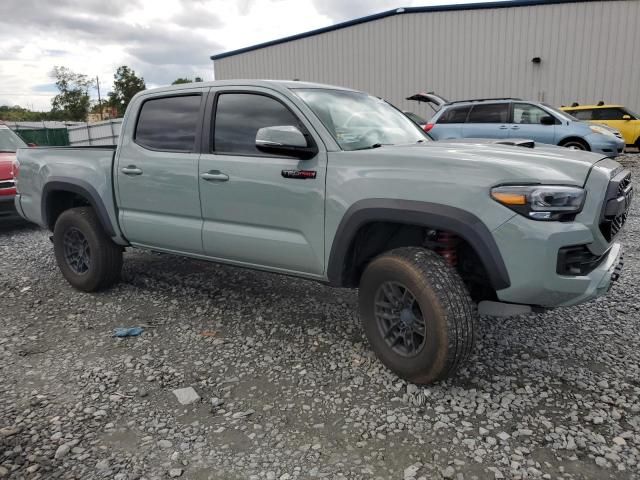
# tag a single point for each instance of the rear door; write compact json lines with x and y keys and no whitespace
{"x":157,"y":172}
{"x":256,"y":211}
{"x":487,"y":120}
{"x":527,"y":123}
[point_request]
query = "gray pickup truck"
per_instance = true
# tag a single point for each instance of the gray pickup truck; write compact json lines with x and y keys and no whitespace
{"x":337,"y":186}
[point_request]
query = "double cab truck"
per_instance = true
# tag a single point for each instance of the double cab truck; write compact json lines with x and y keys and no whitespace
{"x":337,"y":186}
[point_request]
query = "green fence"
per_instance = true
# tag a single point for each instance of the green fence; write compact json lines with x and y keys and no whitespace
{"x":45,"y":136}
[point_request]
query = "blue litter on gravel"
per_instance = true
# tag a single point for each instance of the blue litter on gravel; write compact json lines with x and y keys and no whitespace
{"x":127,"y":331}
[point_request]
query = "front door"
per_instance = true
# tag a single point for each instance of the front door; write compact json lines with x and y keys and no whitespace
{"x":255,"y":211}
{"x":157,"y":173}
{"x":527,"y":123}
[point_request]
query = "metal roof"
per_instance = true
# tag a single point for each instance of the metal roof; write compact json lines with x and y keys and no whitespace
{"x":397,"y":11}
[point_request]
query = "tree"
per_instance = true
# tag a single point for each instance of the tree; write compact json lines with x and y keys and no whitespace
{"x":179,"y":81}
{"x":72,"y":103}
{"x":125,"y":85}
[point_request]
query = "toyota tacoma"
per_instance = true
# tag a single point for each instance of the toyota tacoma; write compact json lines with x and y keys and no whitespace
{"x":337,"y":186}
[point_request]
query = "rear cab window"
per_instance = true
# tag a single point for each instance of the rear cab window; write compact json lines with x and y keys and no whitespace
{"x":169,"y":124}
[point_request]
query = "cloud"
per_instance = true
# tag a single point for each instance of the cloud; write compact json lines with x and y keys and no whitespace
{"x":45,"y":87}
{"x":341,"y":10}
{"x":197,"y":16}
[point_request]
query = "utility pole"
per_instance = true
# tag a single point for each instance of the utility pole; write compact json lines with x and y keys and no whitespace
{"x":99,"y":99}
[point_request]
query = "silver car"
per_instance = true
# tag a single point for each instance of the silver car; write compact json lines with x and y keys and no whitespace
{"x":516,"y":118}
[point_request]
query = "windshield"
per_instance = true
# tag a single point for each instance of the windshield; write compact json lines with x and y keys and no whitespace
{"x":562,"y":114}
{"x":358,"y":121}
{"x":9,"y":141}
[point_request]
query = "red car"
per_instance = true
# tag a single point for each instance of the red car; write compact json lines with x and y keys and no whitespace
{"x":9,"y":143}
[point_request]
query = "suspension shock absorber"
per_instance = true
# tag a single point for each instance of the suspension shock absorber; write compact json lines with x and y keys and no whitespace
{"x":447,"y":248}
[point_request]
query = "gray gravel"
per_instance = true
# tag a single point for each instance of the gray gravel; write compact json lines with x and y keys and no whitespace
{"x":289,"y":388}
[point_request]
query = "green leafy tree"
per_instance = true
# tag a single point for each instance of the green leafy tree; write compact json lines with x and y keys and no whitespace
{"x":72,"y":103}
{"x":181,"y":80}
{"x":125,"y":85}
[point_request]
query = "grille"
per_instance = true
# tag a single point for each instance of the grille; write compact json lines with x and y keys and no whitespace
{"x":624,"y":183}
{"x":7,"y":184}
{"x":620,"y":193}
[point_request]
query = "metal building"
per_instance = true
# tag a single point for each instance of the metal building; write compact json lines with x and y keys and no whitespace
{"x":557,"y":51}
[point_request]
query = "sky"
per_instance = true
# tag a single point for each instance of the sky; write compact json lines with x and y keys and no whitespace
{"x":160,"y":39}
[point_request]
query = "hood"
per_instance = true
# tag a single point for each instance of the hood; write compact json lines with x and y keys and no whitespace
{"x":498,"y":163}
{"x":6,"y":165}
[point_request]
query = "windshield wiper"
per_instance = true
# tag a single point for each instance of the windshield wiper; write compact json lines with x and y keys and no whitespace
{"x":375,"y":145}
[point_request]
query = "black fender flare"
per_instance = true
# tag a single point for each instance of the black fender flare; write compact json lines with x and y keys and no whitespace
{"x":79,"y":187}
{"x":437,"y":216}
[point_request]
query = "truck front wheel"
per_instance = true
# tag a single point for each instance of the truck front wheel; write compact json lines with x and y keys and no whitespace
{"x":417,"y":314}
{"x":86,"y":256}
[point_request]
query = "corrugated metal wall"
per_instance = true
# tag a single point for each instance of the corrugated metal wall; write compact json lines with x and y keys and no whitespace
{"x":590,"y":51}
{"x":99,"y":133}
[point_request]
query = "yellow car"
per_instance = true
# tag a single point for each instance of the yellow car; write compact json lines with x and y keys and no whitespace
{"x":615,"y":116}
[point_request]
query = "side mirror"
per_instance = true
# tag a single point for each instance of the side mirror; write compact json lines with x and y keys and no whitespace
{"x":626,"y":117}
{"x":32,"y":144}
{"x":547,"y":120}
{"x":285,"y":140}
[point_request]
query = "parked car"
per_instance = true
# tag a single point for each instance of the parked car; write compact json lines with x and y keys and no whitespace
{"x":512,"y":117}
{"x":285,"y":177}
{"x":9,"y":143}
{"x":615,"y":116}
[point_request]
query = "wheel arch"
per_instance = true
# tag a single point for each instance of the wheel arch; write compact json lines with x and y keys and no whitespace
{"x":574,"y":138}
{"x":421,"y":214}
{"x":55,"y":188}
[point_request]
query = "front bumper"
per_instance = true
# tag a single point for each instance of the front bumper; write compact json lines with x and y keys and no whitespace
{"x":530,"y":250}
{"x":607,"y":145}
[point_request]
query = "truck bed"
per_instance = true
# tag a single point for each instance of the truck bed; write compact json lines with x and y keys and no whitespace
{"x":88,"y":170}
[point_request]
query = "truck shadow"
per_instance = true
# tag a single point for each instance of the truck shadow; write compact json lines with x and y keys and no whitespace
{"x":11,"y":226}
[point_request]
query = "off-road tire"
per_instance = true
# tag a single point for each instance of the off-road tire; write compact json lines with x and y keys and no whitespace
{"x":105,"y":257}
{"x":447,"y":309}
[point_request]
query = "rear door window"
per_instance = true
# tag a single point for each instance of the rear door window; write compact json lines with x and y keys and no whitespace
{"x":489,"y":113}
{"x":169,"y":123}
{"x":455,"y":114}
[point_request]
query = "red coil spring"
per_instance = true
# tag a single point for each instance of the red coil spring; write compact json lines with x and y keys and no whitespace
{"x":447,"y":250}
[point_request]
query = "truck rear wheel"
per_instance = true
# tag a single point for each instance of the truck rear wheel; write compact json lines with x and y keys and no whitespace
{"x":417,"y":314}
{"x":86,"y":256}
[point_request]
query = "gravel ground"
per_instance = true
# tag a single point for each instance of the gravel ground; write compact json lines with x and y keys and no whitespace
{"x":288,"y":386}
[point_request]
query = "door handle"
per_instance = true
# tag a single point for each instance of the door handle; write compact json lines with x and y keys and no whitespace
{"x":515,"y":127}
{"x":214,"y":176}
{"x":503,"y":127}
{"x":131,"y":170}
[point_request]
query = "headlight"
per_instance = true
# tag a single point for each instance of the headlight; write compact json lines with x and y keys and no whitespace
{"x":541,"y":202}
{"x":601,"y":130}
